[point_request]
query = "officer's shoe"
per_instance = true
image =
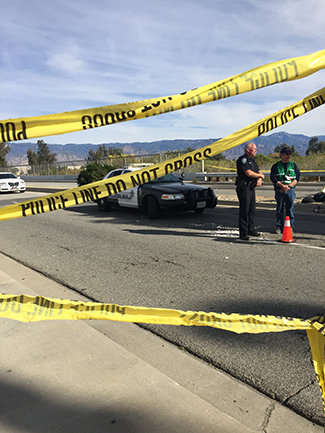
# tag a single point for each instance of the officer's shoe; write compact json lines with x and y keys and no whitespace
{"x":278,"y":230}
{"x":254,"y":233}
{"x":244,"y":237}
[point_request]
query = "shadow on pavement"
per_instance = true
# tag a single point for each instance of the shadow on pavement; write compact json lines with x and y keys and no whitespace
{"x":306,"y":223}
{"x":27,"y":409}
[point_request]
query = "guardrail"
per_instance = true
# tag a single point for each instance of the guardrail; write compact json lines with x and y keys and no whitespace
{"x":217,"y":176}
{"x":54,"y":178}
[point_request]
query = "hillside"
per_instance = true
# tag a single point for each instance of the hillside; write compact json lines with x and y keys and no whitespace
{"x":74,"y":152}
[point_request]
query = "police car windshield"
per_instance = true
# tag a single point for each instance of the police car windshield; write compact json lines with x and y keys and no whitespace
{"x":167,"y":178}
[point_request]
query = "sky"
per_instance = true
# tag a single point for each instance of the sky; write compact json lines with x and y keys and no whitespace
{"x":65,"y":55}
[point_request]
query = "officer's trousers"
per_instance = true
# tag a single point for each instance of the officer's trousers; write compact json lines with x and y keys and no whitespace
{"x":247,"y":201}
{"x":286,"y":199}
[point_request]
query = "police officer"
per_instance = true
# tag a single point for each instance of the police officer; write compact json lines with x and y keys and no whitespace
{"x":248,"y":177}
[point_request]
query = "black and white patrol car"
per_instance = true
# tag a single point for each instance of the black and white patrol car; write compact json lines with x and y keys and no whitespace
{"x":166,"y":193}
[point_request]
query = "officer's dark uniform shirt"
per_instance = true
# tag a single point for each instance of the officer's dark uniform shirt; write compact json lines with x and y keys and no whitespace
{"x":245,"y":163}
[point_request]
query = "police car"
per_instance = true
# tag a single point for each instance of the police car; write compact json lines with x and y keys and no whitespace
{"x":166,"y":193}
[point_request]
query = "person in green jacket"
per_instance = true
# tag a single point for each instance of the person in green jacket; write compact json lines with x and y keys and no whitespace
{"x":285,"y":175}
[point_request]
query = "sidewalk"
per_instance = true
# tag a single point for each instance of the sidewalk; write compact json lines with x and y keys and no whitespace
{"x":101,"y":376}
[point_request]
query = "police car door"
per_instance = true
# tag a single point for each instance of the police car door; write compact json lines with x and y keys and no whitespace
{"x":128,"y":198}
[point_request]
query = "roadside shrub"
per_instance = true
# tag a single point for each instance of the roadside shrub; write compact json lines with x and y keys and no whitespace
{"x":93,"y":172}
{"x":265,"y":162}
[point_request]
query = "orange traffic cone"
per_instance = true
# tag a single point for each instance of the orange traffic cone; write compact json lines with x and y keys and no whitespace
{"x":287,"y":232}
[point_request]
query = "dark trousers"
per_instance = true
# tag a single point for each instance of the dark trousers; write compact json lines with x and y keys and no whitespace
{"x":286,"y":200}
{"x":246,"y":197}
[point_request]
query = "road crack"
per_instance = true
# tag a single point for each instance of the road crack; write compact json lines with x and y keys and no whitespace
{"x":153,"y":261}
{"x":285,"y":401}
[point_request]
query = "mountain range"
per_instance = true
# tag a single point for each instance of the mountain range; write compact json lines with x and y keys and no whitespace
{"x":77,"y":152}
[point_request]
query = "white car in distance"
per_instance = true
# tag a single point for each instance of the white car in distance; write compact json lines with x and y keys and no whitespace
{"x":10,"y":182}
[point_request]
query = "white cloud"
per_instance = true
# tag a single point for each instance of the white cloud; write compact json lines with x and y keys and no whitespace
{"x":67,"y":59}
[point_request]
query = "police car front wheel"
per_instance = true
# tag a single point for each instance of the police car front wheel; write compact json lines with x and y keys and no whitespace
{"x":103,"y":205}
{"x":153,"y":207}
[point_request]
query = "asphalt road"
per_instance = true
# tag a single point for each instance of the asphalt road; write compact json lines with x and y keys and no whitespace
{"x":192,"y":262}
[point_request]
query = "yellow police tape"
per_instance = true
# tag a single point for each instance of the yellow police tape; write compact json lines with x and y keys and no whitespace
{"x":222,"y":168}
{"x":104,"y":188}
{"x":257,"y":78}
{"x":26,"y":308}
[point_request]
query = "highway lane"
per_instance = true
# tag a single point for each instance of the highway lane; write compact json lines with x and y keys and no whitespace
{"x":192,"y":262}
